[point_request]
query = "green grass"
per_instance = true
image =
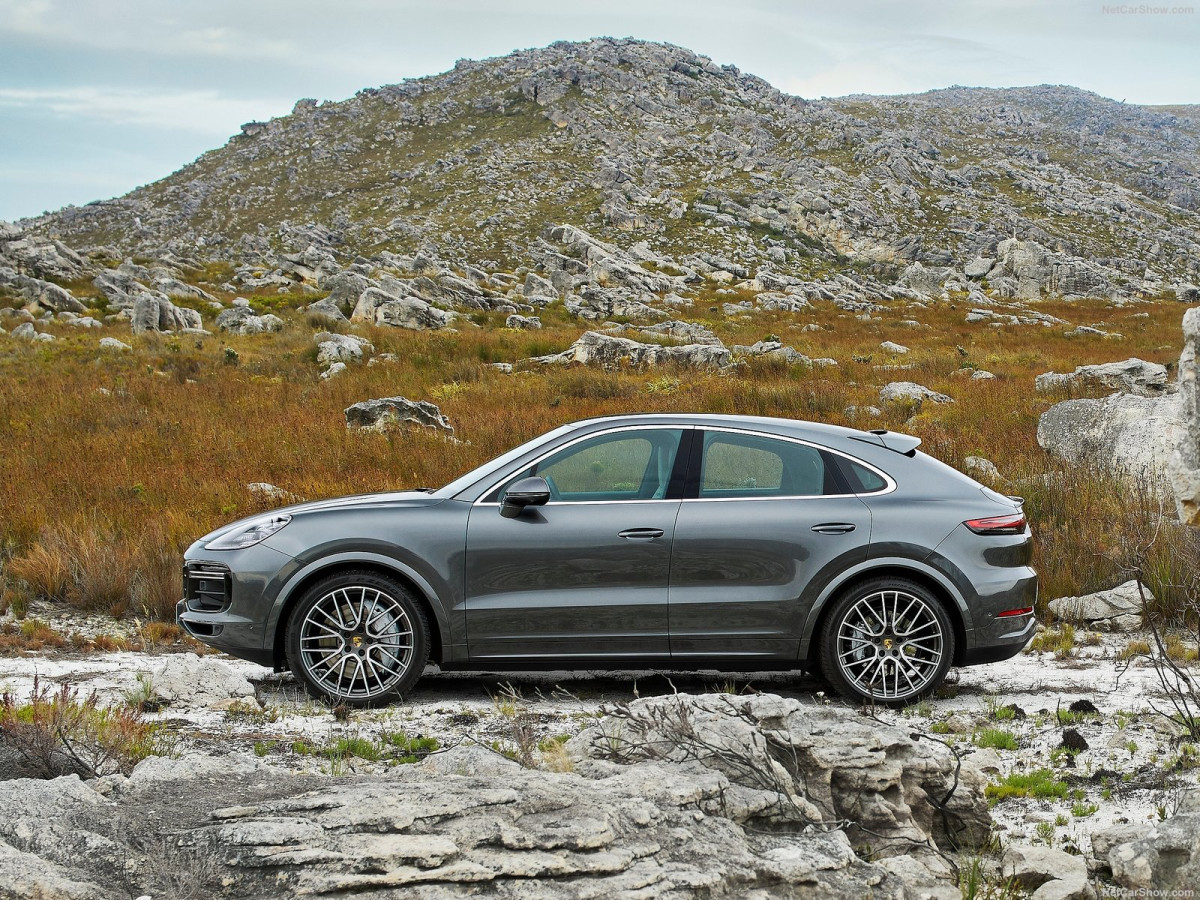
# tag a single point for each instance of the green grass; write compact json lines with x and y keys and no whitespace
{"x":996,"y":738}
{"x":1040,"y":784}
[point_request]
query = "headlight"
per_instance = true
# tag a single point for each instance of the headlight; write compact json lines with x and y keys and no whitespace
{"x":249,"y":534}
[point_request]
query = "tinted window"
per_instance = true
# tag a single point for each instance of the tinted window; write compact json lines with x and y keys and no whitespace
{"x":738,"y":465}
{"x":629,"y":465}
{"x":862,"y":480}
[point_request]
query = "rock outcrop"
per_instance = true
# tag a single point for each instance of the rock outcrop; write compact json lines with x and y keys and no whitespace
{"x":397,"y":412}
{"x":1132,"y":376}
{"x":1131,"y":435}
{"x":1117,"y":609}
{"x":768,"y":801}
{"x":1184,"y":463}
{"x":1167,"y":858}
{"x":607,"y":351}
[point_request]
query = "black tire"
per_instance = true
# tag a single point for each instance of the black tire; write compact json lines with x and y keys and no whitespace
{"x":357,"y":638}
{"x":887,"y":641}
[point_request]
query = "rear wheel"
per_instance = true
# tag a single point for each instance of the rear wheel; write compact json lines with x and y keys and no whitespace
{"x":359,"y":638}
{"x":888,"y":640}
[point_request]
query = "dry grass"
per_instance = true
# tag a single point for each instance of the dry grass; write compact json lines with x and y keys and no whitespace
{"x":113,"y":464}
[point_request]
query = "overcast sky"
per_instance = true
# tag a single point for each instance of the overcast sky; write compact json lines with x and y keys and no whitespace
{"x":100,"y":96}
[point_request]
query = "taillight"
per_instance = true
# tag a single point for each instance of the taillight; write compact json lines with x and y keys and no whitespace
{"x":1010,"y":524}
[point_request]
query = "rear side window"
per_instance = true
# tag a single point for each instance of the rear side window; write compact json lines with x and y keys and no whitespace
{"x":861,"y":479}
{"x":748,"y":466}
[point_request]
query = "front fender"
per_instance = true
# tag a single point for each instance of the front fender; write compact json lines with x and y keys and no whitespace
{"x":886,"y":565}
{"x":346,"y":559}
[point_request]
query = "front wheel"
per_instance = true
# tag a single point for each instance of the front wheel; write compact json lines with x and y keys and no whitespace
{"x":888,"y":640}
{"x":358,"y":638}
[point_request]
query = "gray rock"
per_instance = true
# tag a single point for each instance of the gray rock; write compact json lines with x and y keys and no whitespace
{"x":344,"y":348}
{"x":773,"y":350}
{"x":1046,"y":873}
{"x":241,"y":320}
{"x":684,"y":332}
{"x":597,"y":349}
{"x":111,"y":343}
{"x":381,"y":308}
{"x":157,"y":313}
{"x":1117,"y":609}
{"x":334,"y":370}
{"x":1128,"y":434}
{"x":1166,"y":859}
{"x":25,"y":332}
{"x":325,"y":310}
{"x":1105,"y":839}
{"x":271,"y":492}
{"x":891,"y":347}
{"x":1132,"y":376}
{"x":391,"y":412}
{"x":911,"y":393}
{"x":153,"y":770}
{"x":978,"y":467}
{"x":1184,"y":463}
{"x":523,"y":323}
{"x":978,"y":267}
{"x":536,"y":286}
{"x":187,"y":680}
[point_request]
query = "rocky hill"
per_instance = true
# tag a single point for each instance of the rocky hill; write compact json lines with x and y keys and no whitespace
{"x":695,"y":167}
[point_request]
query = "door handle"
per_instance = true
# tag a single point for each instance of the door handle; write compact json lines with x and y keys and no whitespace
{"x":833,"y":528}
{"x":640,"y":534}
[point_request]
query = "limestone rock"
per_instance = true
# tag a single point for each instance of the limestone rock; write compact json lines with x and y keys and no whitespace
{"x":381,"y":308}
{"x":1184,"y":463}
{"x":978,"y":467}
{"x":111,"y":343}
{"x":188,"y":680}
{"x":1132,"y":376}
{"x":1131,"y":435}
{"x":344,"y":348}
{"x":1166,"y":859}
{"x":892,"y":347}
{"x":390,"y":412}
{"x":1047,"y":874}
{"x":325,"y":310}
{"x":773,"y":350}
{"x":1117,"y":609}
{"x":157,"y":313}
{"x":523,"y":323}
{"x":242,"y":320}
{"x":598,"y":349}
{"x":912,"y":393}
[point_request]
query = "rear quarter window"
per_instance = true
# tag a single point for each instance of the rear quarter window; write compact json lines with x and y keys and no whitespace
{"x":861,"y":479}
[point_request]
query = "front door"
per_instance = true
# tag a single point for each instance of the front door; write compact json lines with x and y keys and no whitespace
{"x":763,"y":526}
{"x":585,"y":575}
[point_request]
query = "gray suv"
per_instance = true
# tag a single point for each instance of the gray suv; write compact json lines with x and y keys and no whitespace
{"x":642,"y":541}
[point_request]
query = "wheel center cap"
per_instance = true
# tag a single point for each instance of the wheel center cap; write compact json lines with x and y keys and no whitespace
{"x":887,"y":643}
{"x":356,"y":641}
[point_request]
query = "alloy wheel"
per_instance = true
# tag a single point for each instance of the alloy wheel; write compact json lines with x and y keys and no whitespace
{"x":890,"y":645}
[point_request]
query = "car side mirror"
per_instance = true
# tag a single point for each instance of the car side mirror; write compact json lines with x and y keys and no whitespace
{"x":532,"y":491}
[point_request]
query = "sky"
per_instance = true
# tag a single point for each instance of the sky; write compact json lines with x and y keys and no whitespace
{"x":98,"y":97}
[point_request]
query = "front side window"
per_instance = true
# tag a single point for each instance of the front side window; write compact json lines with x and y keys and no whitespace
{"x":625,"y":465}
{"x":748,"y":466}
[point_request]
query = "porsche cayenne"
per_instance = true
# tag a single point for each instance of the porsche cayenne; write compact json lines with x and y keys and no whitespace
{"x":641,"y":541}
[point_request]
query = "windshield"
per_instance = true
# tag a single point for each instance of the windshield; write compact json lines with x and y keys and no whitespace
{"x":463,"y":482}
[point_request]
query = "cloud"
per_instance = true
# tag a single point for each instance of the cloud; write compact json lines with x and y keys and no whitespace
{"x":199,"y":111}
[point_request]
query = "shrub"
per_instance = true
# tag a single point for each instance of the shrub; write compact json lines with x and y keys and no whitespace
{"x":56,"y":733}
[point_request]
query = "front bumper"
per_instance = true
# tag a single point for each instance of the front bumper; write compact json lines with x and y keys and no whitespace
{"x":239,"y":629}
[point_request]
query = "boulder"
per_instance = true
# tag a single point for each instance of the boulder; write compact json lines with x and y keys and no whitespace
{"x":1131,"y":376}
{"x":911,"y":393}
{"x":892,"y":347}
{"x":326,"y":311}
{"x":978,"y":467}
{"x":596,"y":349}
{"x":154,"y":312}
{"x":344,"y":348}
{"x":111,"y":343}
{"x":242,"y":320}
{"x":684,"y":332}
{"x":185,"y":679}
{"x":1046,"y":873}
{"x":1117,"y":609}
{"x":773,"y":350}
{"x":381,"y":308}
{"x":1165,"y":860}
{"x":1128,"y":434}
{"x":523,"y":323}
{"x":1184,"y":463}
{"x":44,"y":293}
{"x":391,"y":412}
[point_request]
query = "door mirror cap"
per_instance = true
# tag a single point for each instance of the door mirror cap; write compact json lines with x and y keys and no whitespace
{"x":532,"y":491}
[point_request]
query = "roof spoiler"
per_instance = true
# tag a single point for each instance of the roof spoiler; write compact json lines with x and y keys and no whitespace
{"x":904,"y":444}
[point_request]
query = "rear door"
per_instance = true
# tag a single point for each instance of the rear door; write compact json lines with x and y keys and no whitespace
{"x":764,"y":524}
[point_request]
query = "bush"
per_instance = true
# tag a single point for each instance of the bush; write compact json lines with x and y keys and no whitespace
{"x":56,"y":733}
